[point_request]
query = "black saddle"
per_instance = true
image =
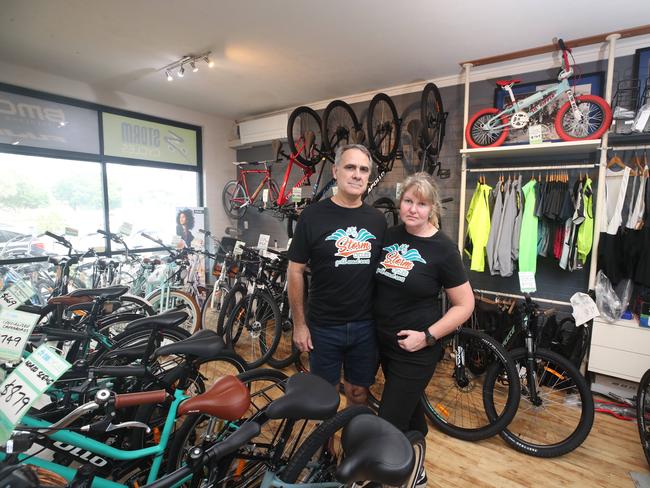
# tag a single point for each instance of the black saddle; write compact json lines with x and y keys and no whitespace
{"x":203,"y":344}
{"x":306,"y":396}
{"x":167,"y":319}
{"x":103,"y":293}
{"x":375,"y":450}
{"x":130,"y":353}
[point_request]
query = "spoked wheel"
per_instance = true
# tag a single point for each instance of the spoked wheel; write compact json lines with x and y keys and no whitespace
{"x":593,"y":121}
{"x":232,"y":298}
{"x":212,"y":306}
{"x":304,"y":135}
{"x":340,"y":126}
{"x":383,"y":128}
{"x":558,"y":416}
{"x":386,"y":206}
{"x":178,"y":300}
{"x":455,"y":396}
{"x":643,"y":413}
{"x":233,"y":198}
{"x":482,"y":131}
{"x":432,"y":116}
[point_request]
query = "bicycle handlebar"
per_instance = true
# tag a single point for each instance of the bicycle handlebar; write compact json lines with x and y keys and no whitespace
{"x":565,"y":55}
{"x":60,"y":239}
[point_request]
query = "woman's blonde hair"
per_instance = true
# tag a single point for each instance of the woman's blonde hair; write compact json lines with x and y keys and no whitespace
{"x":426,"y":189}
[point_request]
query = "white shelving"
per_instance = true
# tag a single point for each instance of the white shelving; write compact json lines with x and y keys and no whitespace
{"x":543,"y":149}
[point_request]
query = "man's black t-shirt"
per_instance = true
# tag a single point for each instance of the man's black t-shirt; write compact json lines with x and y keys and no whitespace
{"x":410,"y":274}
{"x":342,"y":246}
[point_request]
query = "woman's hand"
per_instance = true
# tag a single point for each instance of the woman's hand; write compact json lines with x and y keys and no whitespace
{"x":411,"y":340}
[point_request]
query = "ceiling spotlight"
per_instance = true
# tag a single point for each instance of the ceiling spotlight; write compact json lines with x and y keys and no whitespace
{"x":181,"y":72}
{"x":15,"y":143}
{"x":169,"y":75}
{"x":195,"y":68}
{"x":209,"y":61}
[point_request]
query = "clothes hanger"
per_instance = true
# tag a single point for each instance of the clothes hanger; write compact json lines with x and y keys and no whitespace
{"x":615,"y":160}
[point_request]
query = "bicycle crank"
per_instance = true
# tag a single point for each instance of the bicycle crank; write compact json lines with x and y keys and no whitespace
{"x":519,"y":120}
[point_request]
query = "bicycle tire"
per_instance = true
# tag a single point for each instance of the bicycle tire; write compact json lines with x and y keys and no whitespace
{"x":475,"y":135}
{"x":300,"y":121}
{"x":292,"y":221}
{"x":135,"y":304}
{"x":643,"y":413}
{"x":455,"y":404}
{"x":335,"y":114}
{"x":210,"y":311}
{"x":254,"y":341}
{"x":602,"y":117}
{"x":419,"y":445}
{"x":563,"y":375}
{"x":286,"y":351}
{"x":386,"y":206}
{"x":432,"y":116}
{"x":233,"y":196}
{"x":316,"y":445}
{"x":383,"y":128}
{"x":234,"y":295}
{"x":179,"y":300}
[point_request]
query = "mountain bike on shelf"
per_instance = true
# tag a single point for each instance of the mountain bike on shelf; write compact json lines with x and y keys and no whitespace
{"x":581,"y":117}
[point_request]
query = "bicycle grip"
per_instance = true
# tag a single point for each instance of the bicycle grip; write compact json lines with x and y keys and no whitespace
{"x":206,"y":232}
{"x":560,"y":43}
{"x":103,"y":232}
{"x":61,"y":239}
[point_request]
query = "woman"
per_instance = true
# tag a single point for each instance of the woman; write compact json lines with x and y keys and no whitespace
{"x":184,"y":224}
{"x":417,"y":260}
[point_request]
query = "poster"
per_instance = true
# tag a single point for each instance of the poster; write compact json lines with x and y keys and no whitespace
{"x":188,"y":222}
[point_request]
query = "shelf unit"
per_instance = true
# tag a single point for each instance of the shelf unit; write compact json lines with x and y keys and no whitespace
{"x":532,"y":150}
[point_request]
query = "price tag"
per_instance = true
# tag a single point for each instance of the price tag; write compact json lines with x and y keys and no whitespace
{"x":265,"y":195}
{"x":71,"y":231}
{"x":535,"y":134}
{"x":17,"y":294}
{"x":125,"y":229}
{"x":263,"y":242}
{"x":15,"y":327}
{"x":527,"y":282}
{"x":25,"y":384}
{"x":398,"y":190}
{"x":238,"y":249}
{"x":296,"y":195}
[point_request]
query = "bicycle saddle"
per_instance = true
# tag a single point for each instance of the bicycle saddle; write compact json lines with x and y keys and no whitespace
{"x":204,"y":344}
{"x":69,"y":300}
{"x":129,"y":353}
{"x":227,"y":399}
{"x":508,"y":82}
{"x":306,"y":396}
{"x":105,"y":293}
{"x":375,"y":450}
{"x":167,"y":319}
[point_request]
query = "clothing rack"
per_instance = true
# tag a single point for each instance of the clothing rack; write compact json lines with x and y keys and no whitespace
{"x":531,"y":168}
{"x":521,"y":297}
{"x":642,"y":147}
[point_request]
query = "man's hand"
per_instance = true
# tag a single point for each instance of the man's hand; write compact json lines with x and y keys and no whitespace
{"x":411,"y":340}
{"x":302,"y":338}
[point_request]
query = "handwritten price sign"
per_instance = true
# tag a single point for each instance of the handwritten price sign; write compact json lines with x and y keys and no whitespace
{"x":15,"y":327}
{"x":25,"y":384}
{"x":16,"y":294}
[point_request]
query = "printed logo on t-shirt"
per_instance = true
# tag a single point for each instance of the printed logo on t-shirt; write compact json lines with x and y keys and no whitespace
{"x":352,"y":246}
{"x":399,"y":261}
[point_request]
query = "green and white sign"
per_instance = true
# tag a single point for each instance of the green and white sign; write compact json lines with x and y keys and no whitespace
{"x":15,"y":327}
{"x":126,"y":137}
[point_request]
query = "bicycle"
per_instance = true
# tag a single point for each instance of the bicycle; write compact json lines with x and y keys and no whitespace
{"x":236,"y":195}
{"x":582,"y":117}
{"x":643,"y":413}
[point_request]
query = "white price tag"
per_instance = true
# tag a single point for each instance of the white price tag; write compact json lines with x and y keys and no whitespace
{"x":535,"y":134}
{"x":25,"y":384}
{"x":125,"y":229}
{"x":263,"y":242}
{"x":265,"y":195}
{"x":15,"y":327}
{"x":238,"y":249}
{"x":71,"y":231}
{"x":296,"y":195}
{"x":17,"y":294}
{"x":527,"y":282}
{"x":398,"y":190}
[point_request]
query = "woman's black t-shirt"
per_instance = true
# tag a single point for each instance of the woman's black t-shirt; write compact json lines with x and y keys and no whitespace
{"x":409,"y":276}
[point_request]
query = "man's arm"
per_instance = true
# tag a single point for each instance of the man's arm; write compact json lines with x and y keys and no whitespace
{"x":296,"y":291}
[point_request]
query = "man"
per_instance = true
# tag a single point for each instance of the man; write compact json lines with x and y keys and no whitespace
{"x":340,"y":238}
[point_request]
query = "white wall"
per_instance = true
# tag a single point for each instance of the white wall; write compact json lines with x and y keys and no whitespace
{"x":217,"y":156}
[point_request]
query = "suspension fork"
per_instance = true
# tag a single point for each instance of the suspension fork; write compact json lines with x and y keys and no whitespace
{"x":530,"y":362}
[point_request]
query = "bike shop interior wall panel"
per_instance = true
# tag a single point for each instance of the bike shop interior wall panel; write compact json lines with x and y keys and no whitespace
{"x":216,"y":131}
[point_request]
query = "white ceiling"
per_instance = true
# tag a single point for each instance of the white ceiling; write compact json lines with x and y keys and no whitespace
{"x":273,"y":54}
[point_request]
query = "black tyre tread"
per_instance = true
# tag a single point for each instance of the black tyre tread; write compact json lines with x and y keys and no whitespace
{"x":641,"y":395}
{"x":292,"y":144}
{"x":317,"y":439}
{"x":424,"y":118}
{"x":238,"y":213}
{"x":282,"y":363}
{"x":382,"y":97}
{"x":586,"y":422}
{"x":229,"y":304}
{"x":510,"y":409}
{"x":328,"y":110}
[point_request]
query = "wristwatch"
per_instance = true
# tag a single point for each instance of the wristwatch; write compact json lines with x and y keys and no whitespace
{"x":431,"y":341}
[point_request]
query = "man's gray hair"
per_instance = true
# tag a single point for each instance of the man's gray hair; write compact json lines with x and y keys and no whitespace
{"x":341,"y":149}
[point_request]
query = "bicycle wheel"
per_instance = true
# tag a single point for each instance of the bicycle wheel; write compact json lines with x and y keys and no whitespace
{"x":304,"y":135}
{"x":432,"y":116}
{"x":232,"y":298}
{"x":286,"y":352}
{"x":594,"y":121}
{"x":561,"y":417}
{"x":253,"y":328}
{"x":383,"y":128}
{"x":454,"y":398}
{"x":643,"y":413}
{"x":316,"y":459}
{"x":233,"y":198}
{"x":340,"y":126}
{"x":478,"y":134}
{"x":211,"y":307}
{"x":265,"y":385}
{"x":178,"y":300}
{"x":386,"y":206}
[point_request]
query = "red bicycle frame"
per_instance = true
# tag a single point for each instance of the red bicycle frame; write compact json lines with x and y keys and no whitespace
{"x":307,"y":172}
{"x":244,"y":183}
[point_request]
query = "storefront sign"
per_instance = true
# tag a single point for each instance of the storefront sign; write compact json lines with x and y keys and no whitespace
{"x":33,"y":122}
{"x":126,"y":137}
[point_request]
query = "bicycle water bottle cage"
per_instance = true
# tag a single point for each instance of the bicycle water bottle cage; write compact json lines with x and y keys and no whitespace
{"x":504,"y":83}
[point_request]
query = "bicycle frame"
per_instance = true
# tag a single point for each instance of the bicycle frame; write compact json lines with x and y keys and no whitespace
{"x":244,"y":182}
{"x":101,"y":449}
